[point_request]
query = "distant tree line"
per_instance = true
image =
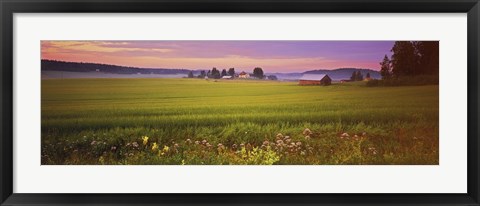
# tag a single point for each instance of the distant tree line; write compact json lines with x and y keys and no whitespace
{"x":214,"y":73}
{"x":53,"y":65}
{"x":358,"y":76}
{"x":411,"y":63}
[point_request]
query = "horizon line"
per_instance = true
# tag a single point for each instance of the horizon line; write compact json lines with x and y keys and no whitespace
{"x":136,"y":67}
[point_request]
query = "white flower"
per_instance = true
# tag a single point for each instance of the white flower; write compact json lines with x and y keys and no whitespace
{"x":307,"y":132}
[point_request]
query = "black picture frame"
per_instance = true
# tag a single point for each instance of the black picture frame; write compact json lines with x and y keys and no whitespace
{"x":9,"y":7}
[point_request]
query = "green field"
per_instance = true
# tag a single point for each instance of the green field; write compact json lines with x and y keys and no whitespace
{"x":195,"y":121}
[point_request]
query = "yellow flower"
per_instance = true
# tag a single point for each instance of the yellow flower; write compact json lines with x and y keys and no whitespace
{"x":145,"y":140}
{"x":101,"y":160}
{"x":165,"y":148}
{"x":154,"y":146}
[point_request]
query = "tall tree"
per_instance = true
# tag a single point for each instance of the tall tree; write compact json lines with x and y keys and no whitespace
{"x":224,"y":72}
{"x":404,"y":60}
{"x":427,"y":53}
{"x":231,"y":72}
{"x":354,"y":76}
{"x":359,"y":76}
{"x":202,"y":74}
{"x":215,"y":73}
{"x":385,"y":68}
{"x":368,"y":75}
{"x":190,"y":74}
{"x":258,"y":72}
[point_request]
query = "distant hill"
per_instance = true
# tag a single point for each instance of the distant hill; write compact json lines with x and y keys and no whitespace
{"x":345,"y":73}
{"x":335,"y":74}
{"x":286,"y":76}
{"x":51,"y":65}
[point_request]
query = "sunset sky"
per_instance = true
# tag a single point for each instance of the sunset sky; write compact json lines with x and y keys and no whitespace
{"x":272,"y":56}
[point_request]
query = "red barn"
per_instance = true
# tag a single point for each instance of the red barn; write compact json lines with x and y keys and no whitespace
{"x":315,"y":79}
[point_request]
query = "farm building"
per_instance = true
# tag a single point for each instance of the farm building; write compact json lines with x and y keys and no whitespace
{"x":315,"y":79}
{"x":243,"y":75}
{"x":227,"y":77}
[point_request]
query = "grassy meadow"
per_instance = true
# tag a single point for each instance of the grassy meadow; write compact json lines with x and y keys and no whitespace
{"x":200,"y":122}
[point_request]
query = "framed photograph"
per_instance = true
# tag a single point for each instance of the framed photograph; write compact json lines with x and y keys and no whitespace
{"x":239,"y":102}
